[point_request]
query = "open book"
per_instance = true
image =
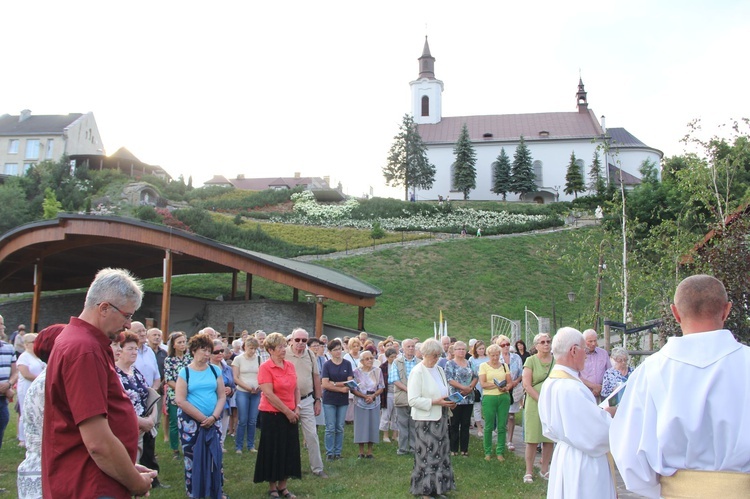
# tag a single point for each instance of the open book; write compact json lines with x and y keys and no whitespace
{"x":456,"y":397}
{"x":499,"y":384}
{"x":615,"y":397}
{"x":351,"y":384}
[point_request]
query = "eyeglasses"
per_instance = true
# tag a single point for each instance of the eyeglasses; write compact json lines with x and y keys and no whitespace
{"x":303,"y":340}
{"x":503,"y":345}
{"x":545,"y":342}
{"x":127,"y":316}
{"x":217,"y":352}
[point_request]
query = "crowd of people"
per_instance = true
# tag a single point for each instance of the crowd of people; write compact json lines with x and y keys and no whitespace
{"x":102,"y":385}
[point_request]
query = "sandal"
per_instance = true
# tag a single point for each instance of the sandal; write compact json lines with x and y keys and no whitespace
{"x":528,"y":478}
{"x":487,"y":457}
{"x":510,"y":446}
{"x":274,"y":494}
{"x":544,"y":475}
{"x":465,"y":454}
{"x":285,"y":493}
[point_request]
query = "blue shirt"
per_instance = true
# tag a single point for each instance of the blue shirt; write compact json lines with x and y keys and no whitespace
{"x":201,"y":390}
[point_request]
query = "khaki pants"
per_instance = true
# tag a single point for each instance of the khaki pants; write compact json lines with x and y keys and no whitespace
{"x":310,"y":432}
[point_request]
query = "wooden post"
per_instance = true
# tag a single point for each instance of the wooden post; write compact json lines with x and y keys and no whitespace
{"x":361,"y":319}
{"x":37,"y":296}
{"x":295,"y":295}
{"x":248,"y":286}
{"x":234,"y":285}
{"x":319,"y":316}
{"x":166,"y":293}
{"x":606,"y":337}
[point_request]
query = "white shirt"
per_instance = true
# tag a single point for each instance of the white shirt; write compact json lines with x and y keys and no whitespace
{"x":147,"y":365}
{"x":686,"y":407}
{"x":571,"y":417}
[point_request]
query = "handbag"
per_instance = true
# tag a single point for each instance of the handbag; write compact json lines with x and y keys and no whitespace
{"x":477,"y":395}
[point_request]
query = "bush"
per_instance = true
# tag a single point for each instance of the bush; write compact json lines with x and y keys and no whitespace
{"x":235,"y":200}
{"x":377,"y":231}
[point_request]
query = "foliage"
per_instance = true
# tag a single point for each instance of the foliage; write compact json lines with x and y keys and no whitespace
{"x":573,"y":177}
{"x":597,"y":184}
{"x":501,"y":180}
{"x":306,"y":206}
{"x":407,"y":164}
{"x":15,"y":207}
{"x":51,"y":206}
{"x":727,"y":257}
{"x":464,"y":168}
{"x":522,"y":171}
{"x":377,"y":231}
{"x":230,"y":200}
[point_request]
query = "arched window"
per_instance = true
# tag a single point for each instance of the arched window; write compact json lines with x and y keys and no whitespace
{"x":425,"y":105}
{"x":538,"y":173}
{"x":582,"y":167}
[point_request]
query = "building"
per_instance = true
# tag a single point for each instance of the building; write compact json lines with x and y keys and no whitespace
{"x":26,"y":140}
{"x":551,"y":137}
{"x":318,"y":186}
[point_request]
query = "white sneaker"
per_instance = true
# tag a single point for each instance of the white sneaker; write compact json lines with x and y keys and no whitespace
{"x":386,"y":440}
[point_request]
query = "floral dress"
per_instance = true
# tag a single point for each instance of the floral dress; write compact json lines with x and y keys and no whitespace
{"x":172,"y":366}
{"x":29,"y":478}
{"x":462,"y":375}
{"x":136,"y":388}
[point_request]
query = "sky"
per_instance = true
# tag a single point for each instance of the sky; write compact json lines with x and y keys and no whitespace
{"x":267,"y":89}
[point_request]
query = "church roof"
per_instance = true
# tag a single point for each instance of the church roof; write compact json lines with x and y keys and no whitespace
{"x":36,"y":125}
{"x":509,"y":127}
{"x":621,"y":138}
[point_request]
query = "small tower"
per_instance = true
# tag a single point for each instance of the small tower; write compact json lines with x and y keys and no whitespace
{"x":426,"y":90}
{"x":581,"y":102}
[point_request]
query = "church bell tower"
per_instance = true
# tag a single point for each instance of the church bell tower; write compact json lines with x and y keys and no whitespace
{"x":426,"y":91}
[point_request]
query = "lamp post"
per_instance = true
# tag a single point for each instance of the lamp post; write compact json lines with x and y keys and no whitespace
{"x":602,"y":267}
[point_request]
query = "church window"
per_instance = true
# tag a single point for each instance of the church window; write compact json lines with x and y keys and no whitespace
{"x":425,"y":105}
{"x":538,"y":173}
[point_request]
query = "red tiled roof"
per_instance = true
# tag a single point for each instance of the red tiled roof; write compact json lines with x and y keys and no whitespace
{"x":567,"y":125}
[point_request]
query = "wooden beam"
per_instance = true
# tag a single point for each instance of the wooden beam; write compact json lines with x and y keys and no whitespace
{"x":295,"y":295}
{"x":361,"y":319}
{"x":319,"y":315}
{"x":234,"y":286}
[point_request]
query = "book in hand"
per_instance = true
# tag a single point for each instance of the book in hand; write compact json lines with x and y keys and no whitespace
{"x":455,"y":397}
{"x":499,"y":384}
{"x":351,"y":385}
{"x":615,"y":397}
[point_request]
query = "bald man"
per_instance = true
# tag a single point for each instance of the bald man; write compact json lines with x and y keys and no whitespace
{"x":681,"y":428}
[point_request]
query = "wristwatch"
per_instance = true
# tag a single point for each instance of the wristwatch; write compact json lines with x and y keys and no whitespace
{"x":318,"y":399}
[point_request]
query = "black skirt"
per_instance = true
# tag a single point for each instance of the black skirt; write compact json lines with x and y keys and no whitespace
{"x":278,"y":452}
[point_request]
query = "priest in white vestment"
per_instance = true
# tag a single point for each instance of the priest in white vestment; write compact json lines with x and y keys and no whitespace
{"x":685,"y":414}
{"x":571,"y":417}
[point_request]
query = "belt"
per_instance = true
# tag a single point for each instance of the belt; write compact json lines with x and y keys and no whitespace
{"x":308,"y":395}
{"x":696,"y":483}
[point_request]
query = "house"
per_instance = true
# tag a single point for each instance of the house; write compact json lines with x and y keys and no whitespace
{"x":551,"y":137}
{"x":318,"y":186}
{"x":26,"y":139}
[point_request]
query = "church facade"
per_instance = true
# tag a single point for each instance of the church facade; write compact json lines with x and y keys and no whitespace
{"x":551,"y":137}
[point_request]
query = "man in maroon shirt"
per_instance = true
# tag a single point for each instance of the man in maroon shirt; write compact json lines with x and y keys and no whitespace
{"x":90,"y":428}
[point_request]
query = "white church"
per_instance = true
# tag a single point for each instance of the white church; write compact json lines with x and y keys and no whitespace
{"x":550,"y":137}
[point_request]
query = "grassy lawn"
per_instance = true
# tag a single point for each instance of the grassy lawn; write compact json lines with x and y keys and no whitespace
{"x":388,"y":475}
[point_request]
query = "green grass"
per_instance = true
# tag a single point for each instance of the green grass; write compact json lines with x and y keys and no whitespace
{"x":388,"y":475}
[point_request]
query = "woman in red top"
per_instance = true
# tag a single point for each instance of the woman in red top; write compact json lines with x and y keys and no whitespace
{"x":278,"y":452}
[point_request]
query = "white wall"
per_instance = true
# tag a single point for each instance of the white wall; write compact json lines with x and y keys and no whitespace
{"x":83,"y":137}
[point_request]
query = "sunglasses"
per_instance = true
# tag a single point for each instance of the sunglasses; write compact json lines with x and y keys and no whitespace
{"x":217,"y":352}
{"x":303,"y":340}
{"x":503,"y":345}
{"x":545,"y":342}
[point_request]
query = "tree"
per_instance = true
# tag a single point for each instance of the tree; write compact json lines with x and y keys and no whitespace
{"x":15,"y":207}
{"x":522,"y":172}
{"x":407,"y":164}
{"x":51,"y":205}
{"x":464,"y":170}
{"x":574,"y":178}
{"x":501,"y":174}
{"x":597,"y":185}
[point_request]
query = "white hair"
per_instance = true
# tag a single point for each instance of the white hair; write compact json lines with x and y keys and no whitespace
{"x":564,"y":340}
{"x":116,"y":286}
{"x":590,"y":332}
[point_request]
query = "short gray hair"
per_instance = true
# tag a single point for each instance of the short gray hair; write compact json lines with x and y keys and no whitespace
{"x":590,"y":332}
{"x":539,"y":337}
{"x":115,"y":286}
{"x":431,"y":347}
{"x":564,"y":340}
{"x":620,"y":352}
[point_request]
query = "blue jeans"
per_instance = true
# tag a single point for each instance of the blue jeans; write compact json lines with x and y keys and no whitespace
{"x":335,"y":415}
{"x":4,"y":418}
{"x":247,"y":412}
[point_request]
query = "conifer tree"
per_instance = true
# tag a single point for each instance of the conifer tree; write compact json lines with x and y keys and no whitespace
{"x":522,"y":172}
{"x":408,"y":165}
{"x":501,"y":174}
{"x":597,"y":185}
{"x":574,"y":178}
{"x":464,"y":168}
